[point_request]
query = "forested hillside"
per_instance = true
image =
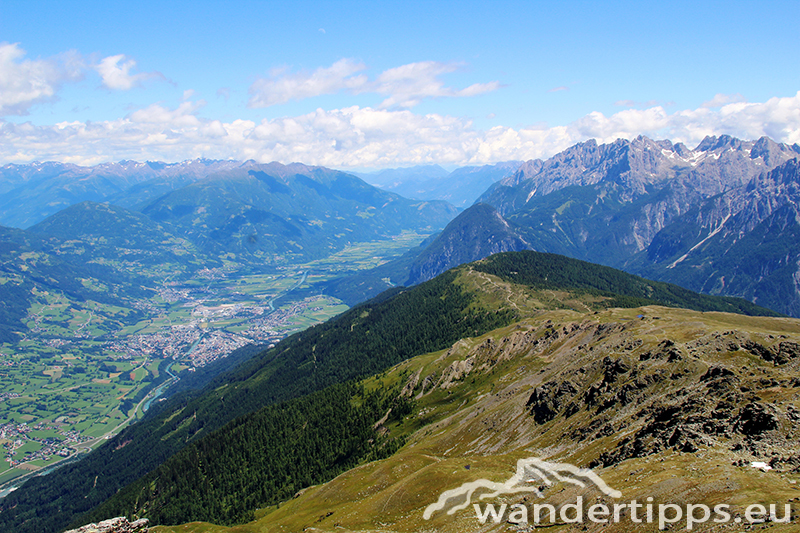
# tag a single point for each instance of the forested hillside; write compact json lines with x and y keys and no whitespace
{"x":264,"y":458}
{"x":363,"y":341}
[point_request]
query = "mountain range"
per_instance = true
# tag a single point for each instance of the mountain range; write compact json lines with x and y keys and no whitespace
{"x":243,"y":215}
{"x":248,"y":209}
{"x":722,"y":218}
{"x":361,"y":422}
{"x":652,"y":208}
{"x":431,"y":182}
{"x":32,"y":192}
{"x":268,"y":211}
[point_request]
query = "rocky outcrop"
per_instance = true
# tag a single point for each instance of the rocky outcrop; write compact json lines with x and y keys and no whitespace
{"x":613,"y":392}
{"x":119,"y":524}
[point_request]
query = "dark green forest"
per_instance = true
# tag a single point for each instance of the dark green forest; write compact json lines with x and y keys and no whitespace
{"x":262,"y":458}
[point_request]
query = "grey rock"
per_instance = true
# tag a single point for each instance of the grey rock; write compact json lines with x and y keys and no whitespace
{"x":119,"y":524}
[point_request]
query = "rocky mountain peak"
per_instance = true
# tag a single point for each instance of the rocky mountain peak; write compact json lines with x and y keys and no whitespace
{"x":712,"y":143}
{"x":771,"y":152}
{"x":526,"y":171}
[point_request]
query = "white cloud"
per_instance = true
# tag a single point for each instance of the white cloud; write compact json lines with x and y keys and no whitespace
{"x":26,"y":82}
{"x":369,"y":137}
{"x":280,"y":88}
{"x":720,"y":100}
{"x":115,"y":72}
{"x":407,"y":85}
{"x":404,"y":86}
{"x":182,"y":117}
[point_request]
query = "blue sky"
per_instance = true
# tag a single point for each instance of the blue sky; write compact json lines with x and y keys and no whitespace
{"x":382,"y":84}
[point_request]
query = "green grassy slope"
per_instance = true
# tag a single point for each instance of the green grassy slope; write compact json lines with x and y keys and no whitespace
{"x":662,"y":403}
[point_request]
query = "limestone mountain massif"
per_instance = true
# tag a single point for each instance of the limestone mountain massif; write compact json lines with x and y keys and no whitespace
{"x":721,"y":218}
{"x":743,"y":242}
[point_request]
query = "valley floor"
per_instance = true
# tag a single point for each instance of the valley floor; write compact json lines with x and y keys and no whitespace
{"x":83,"y":371}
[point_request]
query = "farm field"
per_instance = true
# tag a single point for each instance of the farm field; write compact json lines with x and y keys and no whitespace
{"x":84,"y":370}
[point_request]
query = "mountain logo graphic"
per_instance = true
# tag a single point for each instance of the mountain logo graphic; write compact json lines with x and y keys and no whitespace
{"x":529,"y":471}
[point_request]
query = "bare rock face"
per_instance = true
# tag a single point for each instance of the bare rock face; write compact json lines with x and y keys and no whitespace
{"x":119,"y":524}
{"x":475,"y":234}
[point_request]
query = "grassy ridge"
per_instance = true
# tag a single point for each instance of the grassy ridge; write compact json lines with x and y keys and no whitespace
{"x":541,"y":270}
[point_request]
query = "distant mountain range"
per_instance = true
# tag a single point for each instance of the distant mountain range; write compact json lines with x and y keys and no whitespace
{"x":32,"y":192}
{"x":264,"y":211}
{"x":461,"y":187}
{"x":722,"y":218}
{"x":243,"y":214}
{"x":257,"y":212}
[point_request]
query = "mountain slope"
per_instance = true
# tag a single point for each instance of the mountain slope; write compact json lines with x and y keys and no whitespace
{"x":91,"y":232}
{"x":606,"y":203}
{"x":476,"y":233}
{"x":362,"y":341}
{"x":400,"y":324}
{"x":666,"y":404}
{"x":33,"y":269}
{"x":263,"y":212}
{"x":743,"y":242}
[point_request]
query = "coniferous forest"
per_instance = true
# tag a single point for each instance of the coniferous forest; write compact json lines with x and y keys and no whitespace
{"x":263,"y":458}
